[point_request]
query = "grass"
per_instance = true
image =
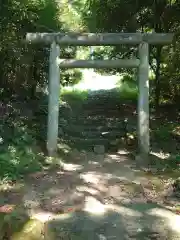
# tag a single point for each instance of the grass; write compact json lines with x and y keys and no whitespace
{"x":76,"y":95}
{"x":73,"y":95}
{"x":127,"y":93}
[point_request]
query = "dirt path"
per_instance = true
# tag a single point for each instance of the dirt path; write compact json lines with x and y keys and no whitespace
{"x":92,"y":197}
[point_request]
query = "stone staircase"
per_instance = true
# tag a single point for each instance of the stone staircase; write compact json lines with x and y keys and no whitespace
{"x":95,"y":124}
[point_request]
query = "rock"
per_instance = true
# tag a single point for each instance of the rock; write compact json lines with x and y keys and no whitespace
{"x":99,"y":149}
{"x":143,"y":161}
{"x":176,"y":186}
{"x":32,"y":230}
{"x":12,"y":222}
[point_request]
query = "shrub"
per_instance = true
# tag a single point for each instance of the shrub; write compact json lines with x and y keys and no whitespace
{"x":18,"y":154}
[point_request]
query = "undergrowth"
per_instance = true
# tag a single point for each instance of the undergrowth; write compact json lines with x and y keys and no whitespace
{"x":19,"y":154}
{"x":73,"y":95}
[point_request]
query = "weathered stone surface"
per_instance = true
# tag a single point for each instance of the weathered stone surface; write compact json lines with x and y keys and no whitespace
{"x":176,"y":187}
{"x":99,"y":149}
{"x":32,"y":230}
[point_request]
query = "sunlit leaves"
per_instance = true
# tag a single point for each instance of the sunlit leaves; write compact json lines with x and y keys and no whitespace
{"x":70,"y":15}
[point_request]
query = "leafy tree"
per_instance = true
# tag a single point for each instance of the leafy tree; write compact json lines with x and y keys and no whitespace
{"x":137,"y":16}
{"x":24,"y":66}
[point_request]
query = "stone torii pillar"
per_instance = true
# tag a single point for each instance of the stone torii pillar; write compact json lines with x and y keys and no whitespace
{"x":143,"y":99}
{"x":53,"y":103}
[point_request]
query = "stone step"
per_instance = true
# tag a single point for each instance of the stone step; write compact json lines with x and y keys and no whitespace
{"x":111,"y":134}
{"x":81,"y":139}
{"x":97,"y":107}
{"x":93,"y":139}
{"x":84,"y":143}
{"x":92,"y":121}
{"x":91,"y":128}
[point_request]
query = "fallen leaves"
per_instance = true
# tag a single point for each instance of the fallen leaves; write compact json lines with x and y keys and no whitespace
{"x":7,"y":208}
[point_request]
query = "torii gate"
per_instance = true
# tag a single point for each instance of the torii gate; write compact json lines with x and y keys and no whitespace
{"x":91,"y":39}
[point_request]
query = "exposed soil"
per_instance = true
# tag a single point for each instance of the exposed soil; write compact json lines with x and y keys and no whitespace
{"x":93,"y":197}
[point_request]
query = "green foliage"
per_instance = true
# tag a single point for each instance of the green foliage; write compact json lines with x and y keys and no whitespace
{"x":142,"y":16}
{"x":24,"y":67}
{"x":74,"y":95}
{"x":128,"y":87}
{"x":163,"y":133}
{"x":18,"y":161}
{"x":70,"y":15}
{"x":127,"y":93}
{"x":70,"y":77}
{"x":19,"y":155}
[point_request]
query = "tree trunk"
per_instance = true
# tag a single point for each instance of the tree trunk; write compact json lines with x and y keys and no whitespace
{"x":159,"y":7}
{"x":33,"y":77}
{"x":157,"y":77}
{"x":34,"y":80}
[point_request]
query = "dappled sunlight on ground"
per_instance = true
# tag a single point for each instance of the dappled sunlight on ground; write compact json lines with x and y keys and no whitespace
{"x":71,"y":167}
{"x":99,"y":197}
{"x":161,"y":154}
{"x":92,"y":205}
{"x":174,"y":223}
{"x":124,"y":210}
{"x":172,"y":219}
